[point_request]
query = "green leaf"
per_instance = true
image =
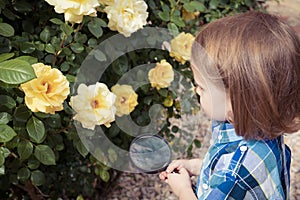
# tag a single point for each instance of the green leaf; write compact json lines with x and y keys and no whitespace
{"x":178,"y":21}
{"x":37,"y":178}
{"x":121,"y":66}
{"x":28,"y":26}
{"x":194,"y":6}
{"x":6,"y":133}
{"x":112,"y":155}
{"x":100,"y":22}
{"x":113,"y":131}
{"x":16,"y":71}
{"x":197,"y":143}
{"x":71,"y":78}
{"x":64,"y":67}
{"x":54,"y":121}
{"x":95,"y":28}
{"x":45,"y":35}
{"x":163,"y":92}
{"x":2,"y":158}
{"x":2,"y":170}
{"x":5,"y":151}
{"x":81,"y":148}
{"x":22,"y":6}
{"x":173,"y":29}
{"x":6,"y":56}
{"x":56,"y":21}
{"x":92,"y":42}
{"x":7,"y":101}
{"x":44,"y":154}
{"x":5,"y":118}
{"x":77,"y":47}
{"x":22,"y":113}
{"x":23,"y":174}
{"x":5,"y":45}
{"x":42,"y":115}
{"x":33,"y":163}
{"x":68,"y":30}
{"x":25,"y":149}
{"x":13,"y":143}
{"x":165,"y":16}
{"x":80,"y":38}
{"x":39,"y":45}
{"x":6,"y":30}
{"x":36,"y":130}
{"x":10,"y":15}
{"x":104,"y":175}
{"x":27,"y":47}
{"x":31,"y":60}
{"x":99,"y":55}
{"x":213,"y":4}
{"x":50,"y":48}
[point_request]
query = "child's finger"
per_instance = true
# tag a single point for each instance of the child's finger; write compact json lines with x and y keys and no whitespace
{"x":183,"y":171}
{"x":175,"y":165}
{"x":163,"y":175}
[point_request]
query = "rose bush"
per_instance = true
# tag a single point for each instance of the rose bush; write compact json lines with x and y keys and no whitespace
{"x":47,"y":96}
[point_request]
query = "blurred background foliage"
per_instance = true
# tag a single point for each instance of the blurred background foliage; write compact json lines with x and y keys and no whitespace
{"x":41,"y":155}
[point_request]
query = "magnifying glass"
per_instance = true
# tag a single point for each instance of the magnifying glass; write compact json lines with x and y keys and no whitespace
{"x":150,"y":153}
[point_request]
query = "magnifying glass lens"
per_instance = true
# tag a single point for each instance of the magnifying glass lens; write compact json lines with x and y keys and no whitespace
{"x":150,"y":154}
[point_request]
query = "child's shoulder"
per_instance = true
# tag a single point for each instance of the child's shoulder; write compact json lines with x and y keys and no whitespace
{"x":262,"y":151}
{"x":262,"y":145}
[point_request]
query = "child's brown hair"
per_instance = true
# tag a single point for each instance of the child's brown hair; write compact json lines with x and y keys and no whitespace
{"x":257,"y":57}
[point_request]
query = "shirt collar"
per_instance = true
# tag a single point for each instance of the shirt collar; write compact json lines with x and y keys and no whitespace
{"x":224,"y":132}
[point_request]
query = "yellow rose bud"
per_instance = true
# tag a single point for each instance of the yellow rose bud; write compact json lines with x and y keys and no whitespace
{"x":181,"y":47}
{"x":126,"y":99}
{"x":177,"y":105}
{"x":162,"y":75}
{"x":47,"y":92}
{"x":74,"y":10}
{"x":187,"y":16}
{"x":168,"y":102}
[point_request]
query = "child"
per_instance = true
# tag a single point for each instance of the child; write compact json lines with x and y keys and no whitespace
{"x":247,"y":72}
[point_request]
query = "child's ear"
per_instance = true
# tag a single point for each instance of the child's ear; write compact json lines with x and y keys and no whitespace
{"x":229,"y":116}
{"x":229,"y":113}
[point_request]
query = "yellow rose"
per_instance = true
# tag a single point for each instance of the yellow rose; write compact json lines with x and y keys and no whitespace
{"x":126,"y":99}
{"x":162,"y":75}
{"x":127,"y":16}
{"x":47,"y":92}
{"x":181,"y":47}
{"x":74,"y":10}
{"x":94,"y":105}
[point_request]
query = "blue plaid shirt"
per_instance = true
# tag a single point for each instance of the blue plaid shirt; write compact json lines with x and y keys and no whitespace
{"x":238,"y":169}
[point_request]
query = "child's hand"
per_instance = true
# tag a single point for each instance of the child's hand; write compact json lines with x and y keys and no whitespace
{"x":180,"y":184}
{"x":192,"y":166}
